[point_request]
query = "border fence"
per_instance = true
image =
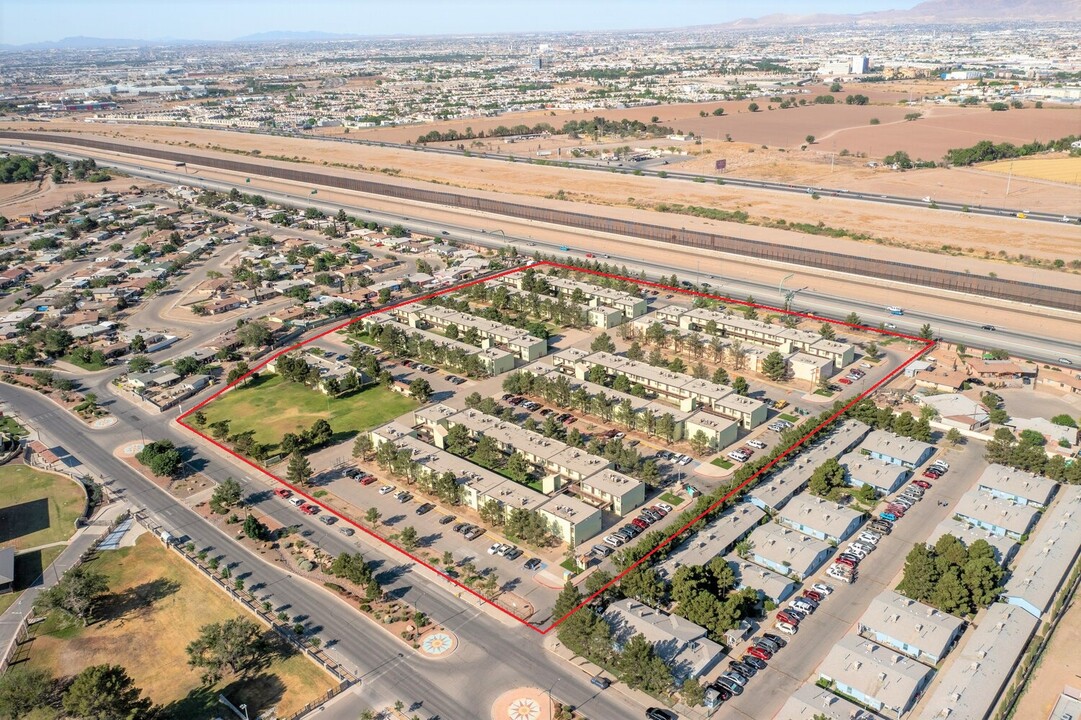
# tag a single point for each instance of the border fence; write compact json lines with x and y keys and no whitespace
{"x":990,"y":287}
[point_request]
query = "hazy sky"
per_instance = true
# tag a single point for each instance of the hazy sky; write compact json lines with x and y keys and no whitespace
{"x":23,"y":21}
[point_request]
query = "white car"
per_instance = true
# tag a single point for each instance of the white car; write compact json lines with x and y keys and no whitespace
{"x":802,"y":606}
{"x":757,"y":444}
{"x":852,"y":550}
{"x":865,"y":365}
{"x":786,"y":628}
{"x":822,"y":588}
{"x":495,"y":549}
{"x":865,"y":547}
{"x":612,"y":541}
{"x":870,"y":537}
{"x":685,"y":460}
{"x":665,"y":506}
{"x":386,"y":489}
{"x":941,"y":463}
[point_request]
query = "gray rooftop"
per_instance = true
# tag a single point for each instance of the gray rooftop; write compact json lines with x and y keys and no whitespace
{"x":968,"y":689}
{"x":819,"y":514}
{"x":1003,"y":546}
{"x":1050,"y":552}
{"x":773,"y":585}
{"x":810,"y":701}
{"x":1035,"y":489}
{"x":713,"y":539}
{"x":783,"y":545}
{"x":911,"y":622}
{"x":983,"y":506}
{"x":869,"y":471}
{"x":874,"y":670}
{"x":902,"y":448}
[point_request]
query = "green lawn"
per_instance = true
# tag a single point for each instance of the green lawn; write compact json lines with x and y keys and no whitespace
{"x":159,"y":599}
{"x":790,"y":418}
{"x":9,"y":426}
{"x":37,"y":508}
{"x":271,"y":407}
{"x":721,"y":463}
{"x":671,"y":499}
{"x":824,"y":393}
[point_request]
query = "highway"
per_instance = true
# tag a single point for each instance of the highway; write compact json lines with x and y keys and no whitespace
{"x":388,"y":669}
{"x":672,"y":174}
{"x":953,"y":329}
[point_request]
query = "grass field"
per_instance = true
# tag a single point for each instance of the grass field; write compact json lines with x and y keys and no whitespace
{"x":673,"y":500}
{"x":11,"y":427}
{"x":161,"y":600}
{"x":721,"y":463}
{"x":1060,"y":169}
{"x":271,"y":407}
{"x":37,"y":508}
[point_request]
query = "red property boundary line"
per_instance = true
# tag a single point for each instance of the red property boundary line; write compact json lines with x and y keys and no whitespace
{"x":927,"y":345}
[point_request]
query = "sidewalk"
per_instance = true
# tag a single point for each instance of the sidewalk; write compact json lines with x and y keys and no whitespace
{"x":12,"y":618}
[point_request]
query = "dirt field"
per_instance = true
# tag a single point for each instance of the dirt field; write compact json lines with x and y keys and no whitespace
{"x":1063,"y":170}
{"x":24,"y":198}
{"x":900,"y":227}
{"x":1061,"y":665}
{"x":157,"y":597}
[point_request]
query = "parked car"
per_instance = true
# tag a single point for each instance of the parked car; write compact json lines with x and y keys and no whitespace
{"x":328,"y":519}
{"x":495,"y":548}
{"x":844,"y":381}
{"x":446,"y":520}
{"x":922,"y":484}
{"x":731,"y":686}
{"x":848,"y":559}
{"x":512,"y":553}
{"x":659,"y":510}
{"x":753,"y":660}
{"x":814,"y":595}
{"x":822,"y":588}
{"x":665,"y":507}
{"x":425,"y":508}
{"x":309,"y":509}
{"x":602,"y":550}
{"x":474,"y":533}
{"x":532,"y":564}
{"x":735,"y":677}
{"x":367,"y":480}
{"x":660,"y":714}
{"x":775,"y":639}
{"x":283,"y":493}
{"x":869,"y":537}
{"x":742,"y":668}
{"x":761,"y":652}
{"x":757,"y":444}
{"x":640,"y":523}
{"x":347,"y":531}
{"x":723,"y":693}
{"x":942,"y":463}
{"x":855,"y":551}
{"x":801,"y":605}
{"x":888,"y":516}
{"x":785,"y":616}
{"x":601,"y":682}
{"x":787,"y":628}
{"x":386,"y":489}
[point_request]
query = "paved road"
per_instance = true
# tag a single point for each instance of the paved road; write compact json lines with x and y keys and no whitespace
{"x":1014,"y":340}
{"x":510,"y":654}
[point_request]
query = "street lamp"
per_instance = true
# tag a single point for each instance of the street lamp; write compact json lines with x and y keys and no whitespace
{"x":550,"y":707}
{"x":244,"y":707}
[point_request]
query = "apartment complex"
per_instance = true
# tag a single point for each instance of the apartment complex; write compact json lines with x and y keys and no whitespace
{"x":514,"y":340}
{"x":919,"y":631}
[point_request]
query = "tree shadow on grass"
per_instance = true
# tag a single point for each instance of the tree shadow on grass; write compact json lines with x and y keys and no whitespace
{"x":136,"y":600}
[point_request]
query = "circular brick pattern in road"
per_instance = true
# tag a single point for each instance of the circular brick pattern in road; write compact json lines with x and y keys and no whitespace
{"x":131,"y":449}
{"x":102,"y":423}
{"x":522,"y":704}
{"x":438,"y":644}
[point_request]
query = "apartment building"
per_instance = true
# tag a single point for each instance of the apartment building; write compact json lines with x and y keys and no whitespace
{"x":876,"y":676}
{"x":770,"y":585}
{"x":919,"y":631}
{"x":1003,"y":547}
{"x":718,"y":537}
{"x":969,"y":688}
{"x":810,"y":702}
{"x":897,"y":450}
{"x":621,"y":493}
{"x":569,"y":518}
{"x":515,"y":340}
{"x":995,"y":514}
{"x":1048,"y":556}
{"x":1017,"y":486}
{"x":820,"y":518}
{"x":493,"y":360}
{"x":787,"y":551}
{"x":862,"y":470}
{"x":688,"y":392}
{"x":631,"y":306}
{"x":682,"y":645}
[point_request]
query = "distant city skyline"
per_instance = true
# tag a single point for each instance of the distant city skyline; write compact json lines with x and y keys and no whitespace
{"x":29,"y":21}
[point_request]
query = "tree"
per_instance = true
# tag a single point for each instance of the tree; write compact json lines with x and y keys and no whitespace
{"x":920,"y":574}
{"x":1064,"y":420}
{"x":140,"y":364}
{"x":372,"y":516}
{"x":225,"y":496}
{"x":753,"y":107}
{"x":871,"y":349}
{"x":23,"y":689}
{"x":161,"y":457}
{"x":954,"y":437}
{"x":105,"y":692}
{"x":640,"y":667}
{"x":299,"y":471}
{"x":408,"y":538}
{"x":926,"y":333}
{"x":518,"y":468}
{"x":254,"y":529}
{"x":739,"y":384}
{"x":810,"y":139}
{"x":826,"y":477}
{"x":232,"y":645}
{"x":853,"y":319}
{"x":421,"y":390}
{"x":362,"y":446}
{"x":138,"y":344}
{"x":827,"y":332}
{"x":603,"y":342}
{"x":774,"y":366}
{"x":254,"y":334}
{"x":692,"y":692}
{"x":700,"y":443}
{"x":951,"y":595}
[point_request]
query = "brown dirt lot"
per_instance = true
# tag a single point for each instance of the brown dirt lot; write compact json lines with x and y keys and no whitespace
{"x":900,"y":227}
{"x":157,"y":597}
{"x":24,"y":198}
{"x":1061,"y":665}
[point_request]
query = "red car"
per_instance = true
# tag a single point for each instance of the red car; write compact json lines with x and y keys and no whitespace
{"x":367,"y":480}
{"x":640,"y":524}
{"x":844,"y":381}
{"x":922,"y":484}
{"x":590,"y":255}
{"x":845,"y":561}
{"x":309,"y":509}
{"x":760,"y":653}
{"x":898,"y":510}
{"x":283,"y":493}
{"x":785,"y":617}
{"x":814,"y":595}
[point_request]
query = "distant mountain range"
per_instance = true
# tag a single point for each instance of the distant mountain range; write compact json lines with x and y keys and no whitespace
{"x":929,"y":12}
